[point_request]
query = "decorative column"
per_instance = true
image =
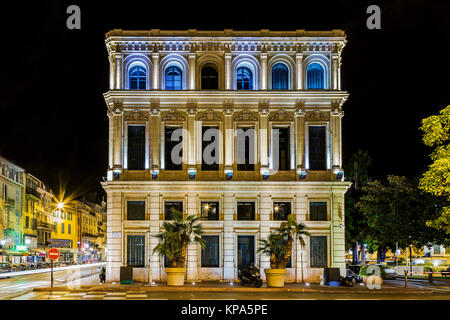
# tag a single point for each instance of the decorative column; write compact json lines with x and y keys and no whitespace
{"x":228,"y":71}
{"x":155,"y":59}
{"x":265,"y":209}
{"x":336,"y":115}
{"x":334,"y":70}
{"x":112,"y":70}
{"x":154,"y":207}
{"x":229,"y":140}
{"x":192,"y":71}
{"x":263,"y":141}
{"x":155,"y":124}
{"x":339,"y":72}
{"x":264,"y":71}
{"x":118,"y":138}
{"x":229,"y":263}
{"x":299,"y":63}
{"x":110,"y":144}
{"x":192,"y":169}
{"x":114,"y":236}
{"x":300,"y":139}
{"x":118,"y":57}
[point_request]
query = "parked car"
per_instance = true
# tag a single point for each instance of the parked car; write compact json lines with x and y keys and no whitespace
{"x":5,"y":267}
{"x":390,"y":273}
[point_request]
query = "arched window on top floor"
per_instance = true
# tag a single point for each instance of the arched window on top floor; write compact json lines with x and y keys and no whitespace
{"x":244,"y":79}
{"x":280,"y":77}
{"x":137,"y":77}
{"x":173,"y":78}
{"x":210,"y":78}
{"x":315,"y":76}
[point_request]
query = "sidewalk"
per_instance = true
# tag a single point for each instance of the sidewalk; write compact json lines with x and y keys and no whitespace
{"x":227,"y":287}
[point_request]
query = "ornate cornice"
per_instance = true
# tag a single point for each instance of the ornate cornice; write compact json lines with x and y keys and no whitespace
{"x":173,"y":115}
{"x":245,"y":115}
{"x":136,"y":116}
{"x":280,"y":115}
{"x":317,"y":115}
{"x":209,"y":115}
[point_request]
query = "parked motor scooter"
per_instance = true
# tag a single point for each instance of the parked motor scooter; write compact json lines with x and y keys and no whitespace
{"x":250,"y":276}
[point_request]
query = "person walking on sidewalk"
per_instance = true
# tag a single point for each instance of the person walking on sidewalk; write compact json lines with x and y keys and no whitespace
{"x":102,"y":275}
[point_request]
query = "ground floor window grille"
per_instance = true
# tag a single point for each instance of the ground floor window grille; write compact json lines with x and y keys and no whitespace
{"x":210,"y":253}
{"x":135,"y":251}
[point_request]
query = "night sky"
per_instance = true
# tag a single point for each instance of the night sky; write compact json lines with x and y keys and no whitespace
{"x":53,"y":117}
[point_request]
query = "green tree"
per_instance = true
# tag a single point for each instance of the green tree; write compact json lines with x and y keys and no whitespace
{"x":396,"y":212}
{"x":356,"y":171}
{"x":436,"y":180}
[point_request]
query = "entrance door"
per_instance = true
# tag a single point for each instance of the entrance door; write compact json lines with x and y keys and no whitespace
{"x":246,"y":250}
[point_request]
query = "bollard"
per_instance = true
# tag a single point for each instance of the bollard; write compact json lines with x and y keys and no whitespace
{"x":406,"y":278}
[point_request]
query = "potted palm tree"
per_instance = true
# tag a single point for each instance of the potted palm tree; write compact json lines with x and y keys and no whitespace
{"x":173,"y":241}
{"x":278,"y":247}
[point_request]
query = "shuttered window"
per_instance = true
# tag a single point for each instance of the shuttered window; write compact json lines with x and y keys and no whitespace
{"x":135,"y":251}
{"x":318,"y":211}
{"x":176,"y":205}
{"x":317,"y":148}
{"x":246,"y":211}
{"x":136,"y":147}
{"x":210,"y":253}
{"x":318,"y":251}
{"x":135,"y":210}
{"x":175,"y":162}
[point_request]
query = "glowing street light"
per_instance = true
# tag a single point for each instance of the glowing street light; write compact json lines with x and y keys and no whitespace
{"x":60,"y":205}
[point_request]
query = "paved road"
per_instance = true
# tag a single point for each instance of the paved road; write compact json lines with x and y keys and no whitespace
{"x":20,"y":288}
{"x":97,"y":295}
{"x":19,"y":285}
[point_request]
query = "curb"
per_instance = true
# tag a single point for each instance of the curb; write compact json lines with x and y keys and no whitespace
{"x":222,"y":289}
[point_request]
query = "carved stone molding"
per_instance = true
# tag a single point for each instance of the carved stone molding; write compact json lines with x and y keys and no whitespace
{"x":280,"y":115}
{"x":136,"y":116}
{"x":173,"y":115}
{"x":245,"y":115}
{"x":317,"y":115}
{"x":300,"y":112}
{"x":209,"y":115}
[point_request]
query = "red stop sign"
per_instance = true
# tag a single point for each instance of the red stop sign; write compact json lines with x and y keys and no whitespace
{"x":53,"y":254}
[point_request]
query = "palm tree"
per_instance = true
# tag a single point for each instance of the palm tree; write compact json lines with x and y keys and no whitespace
{"x":176,"y":235}
{"x":279,"y":244}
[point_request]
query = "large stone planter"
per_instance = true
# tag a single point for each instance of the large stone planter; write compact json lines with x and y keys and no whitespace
{"x":275,"y":277}
{"x":175,"y":276}
{"x":373,"y":280}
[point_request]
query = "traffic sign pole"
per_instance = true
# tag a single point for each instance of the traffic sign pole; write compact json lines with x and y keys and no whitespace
{"x":53,"y":254}
{"x":51,"y":279}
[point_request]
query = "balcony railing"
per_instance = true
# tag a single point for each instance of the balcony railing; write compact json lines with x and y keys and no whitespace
{"x":45,"y":225}
{"x":33,"y":192}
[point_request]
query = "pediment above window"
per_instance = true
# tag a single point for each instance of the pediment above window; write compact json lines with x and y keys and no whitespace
{"x":280,"y":115}
{"x":317,"y":115}
{"x":209,"y":115}
{"x":173,"y":115}
{"x":136,"y":116}
{"x":245,"y":115}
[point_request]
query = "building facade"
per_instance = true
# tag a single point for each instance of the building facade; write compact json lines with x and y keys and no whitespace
{"x":12,"y":178}
{"x":241,"y":128}
{"x":38,"y":220}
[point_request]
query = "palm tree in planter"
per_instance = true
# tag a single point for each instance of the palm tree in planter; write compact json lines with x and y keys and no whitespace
{"x":278,"y":247}
{"x":173,"y":241}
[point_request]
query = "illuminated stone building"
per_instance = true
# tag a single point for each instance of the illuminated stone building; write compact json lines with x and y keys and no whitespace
{"x":285,"y":85}
{"x":12,"y":179}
